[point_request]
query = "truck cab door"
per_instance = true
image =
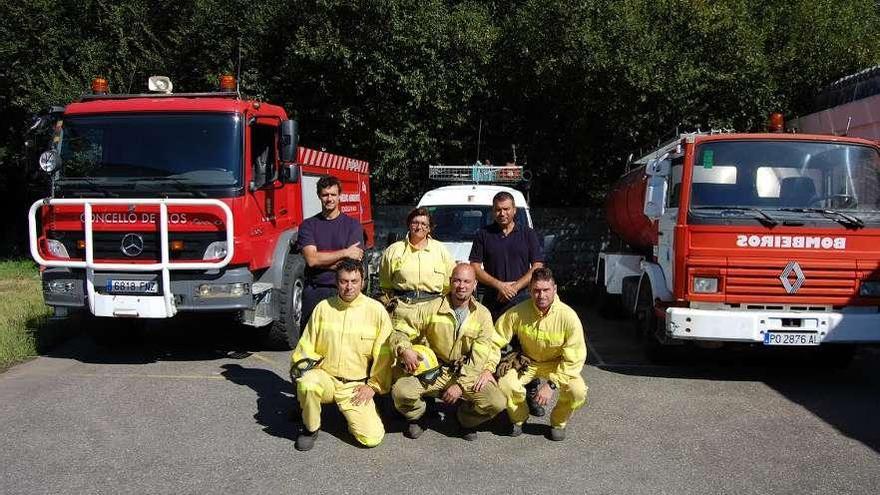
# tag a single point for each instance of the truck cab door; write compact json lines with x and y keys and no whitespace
{"x":666,"y":224}
{"x":268,"y":199}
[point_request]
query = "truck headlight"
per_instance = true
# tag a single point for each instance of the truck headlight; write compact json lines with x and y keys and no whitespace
{"x":705,"y":285}
{"x":870,"y":288}
{"x":56,"y":248}
{"x":215,"y":251}
{"x":237,"y":289}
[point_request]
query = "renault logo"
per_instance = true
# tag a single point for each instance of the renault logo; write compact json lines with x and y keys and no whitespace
{"x":792,"y":277}
{"x":132,"y":245}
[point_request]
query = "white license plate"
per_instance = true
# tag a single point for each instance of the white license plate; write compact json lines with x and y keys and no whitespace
{"x":792,"y":338}
{"x":133,"y":286}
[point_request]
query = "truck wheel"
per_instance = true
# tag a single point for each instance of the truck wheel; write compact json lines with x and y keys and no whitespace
{"x":285,"y":331}
{"x":649,"y":329}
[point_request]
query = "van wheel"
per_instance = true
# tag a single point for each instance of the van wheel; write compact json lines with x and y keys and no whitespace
{"x":285,"y":331}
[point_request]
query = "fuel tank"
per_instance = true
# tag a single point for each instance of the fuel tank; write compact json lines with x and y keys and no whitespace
{"x":624,"y":210}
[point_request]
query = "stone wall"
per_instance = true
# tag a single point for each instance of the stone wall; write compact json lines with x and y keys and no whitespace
{"x":579,"y":234}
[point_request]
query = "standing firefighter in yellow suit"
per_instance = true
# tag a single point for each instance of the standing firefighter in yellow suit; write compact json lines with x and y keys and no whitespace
{"x":456,"y":332}
{"x":343,"y":357}
{"x":552,"y":338}
{"x":415,"y":270}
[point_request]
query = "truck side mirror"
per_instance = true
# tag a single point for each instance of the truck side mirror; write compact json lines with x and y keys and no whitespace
{"x":290,"y":173}
{"x":655,"y":197}
{"x":659,"y":167}
{"x":289,"y":137}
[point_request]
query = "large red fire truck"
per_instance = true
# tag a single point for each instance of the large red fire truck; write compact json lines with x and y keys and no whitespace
{"x":769,"y":239}
{"x":164,"y":203}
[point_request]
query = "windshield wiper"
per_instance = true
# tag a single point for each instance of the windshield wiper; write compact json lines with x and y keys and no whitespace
{"x":181,"y":185}
{"x":843,"y":218}
{"x":94,"y":186}
{"x":760,"y":215}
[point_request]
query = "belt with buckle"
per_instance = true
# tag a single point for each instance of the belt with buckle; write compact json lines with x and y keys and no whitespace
{"x":347,"y":380}
{"x":415,"y":296}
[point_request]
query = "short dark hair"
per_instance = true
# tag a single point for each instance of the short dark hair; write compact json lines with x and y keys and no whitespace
{"x":503,"y":196}
{"x":419,"y":212}
{"x":349,"y":265}
{"x":328,"y":181}
{"x":542,"y":274}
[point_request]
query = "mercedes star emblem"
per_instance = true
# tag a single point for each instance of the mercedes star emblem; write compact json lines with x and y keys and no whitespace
{"x":792,"y":284}
{"x":132,"y":245}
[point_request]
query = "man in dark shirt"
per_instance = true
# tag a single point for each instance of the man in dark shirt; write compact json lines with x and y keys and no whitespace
{"x":324,"y":240}
{"x":504,"y":254}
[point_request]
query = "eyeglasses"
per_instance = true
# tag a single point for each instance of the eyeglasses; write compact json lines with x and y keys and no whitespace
{"x":416,"y":223}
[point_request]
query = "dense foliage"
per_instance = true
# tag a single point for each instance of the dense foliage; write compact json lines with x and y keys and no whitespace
{"x":576,"y":85}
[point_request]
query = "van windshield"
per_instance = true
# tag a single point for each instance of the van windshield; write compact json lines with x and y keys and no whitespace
{"x":460,"y":223}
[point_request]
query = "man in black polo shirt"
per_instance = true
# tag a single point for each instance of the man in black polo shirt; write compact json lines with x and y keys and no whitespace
{"x":504,"y":254}
{"x":324,"y":240}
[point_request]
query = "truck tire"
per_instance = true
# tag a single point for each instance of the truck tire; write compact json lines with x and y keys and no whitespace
{"x":648,"y":327}
{"x":284,"y":332}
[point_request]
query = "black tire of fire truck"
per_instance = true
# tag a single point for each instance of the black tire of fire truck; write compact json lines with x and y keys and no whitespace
{"x":283,"y":333}
{"x":650,"y":329}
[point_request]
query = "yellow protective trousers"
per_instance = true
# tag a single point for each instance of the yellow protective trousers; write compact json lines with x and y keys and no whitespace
{"x":317,"y":387}
{"x":474,"y":408}
{"x":572,"y":395}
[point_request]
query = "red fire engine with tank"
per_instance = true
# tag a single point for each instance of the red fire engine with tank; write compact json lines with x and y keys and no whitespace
{"x":165,"y":203}
{"x":769,"y":239}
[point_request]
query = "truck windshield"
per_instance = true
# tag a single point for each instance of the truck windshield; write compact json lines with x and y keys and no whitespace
{"x":785,"y":177}
{"x":157,"y":152}
{"x":460,"y":223}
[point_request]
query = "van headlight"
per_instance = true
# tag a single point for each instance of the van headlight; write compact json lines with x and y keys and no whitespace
{"x":215,"y":251}
{"x":870,"y":288}
{"x":705,"y":285}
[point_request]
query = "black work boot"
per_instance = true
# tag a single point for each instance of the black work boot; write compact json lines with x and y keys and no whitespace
{"x":557,"y":434}
{"x":414,"y":429}
{"x":531,"y":391}
{"x":469,"y":434}
{"x":515,"y":430}
{"x":306,"y":440}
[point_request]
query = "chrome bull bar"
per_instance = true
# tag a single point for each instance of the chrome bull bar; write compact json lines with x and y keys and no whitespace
{"x":120,"y":305}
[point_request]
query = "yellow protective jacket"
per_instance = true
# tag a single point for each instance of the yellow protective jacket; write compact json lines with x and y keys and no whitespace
{"x":556,"y":336}
{"x":433,"y":324}
{"x":352,"y":339}
{"x":406,"y":268}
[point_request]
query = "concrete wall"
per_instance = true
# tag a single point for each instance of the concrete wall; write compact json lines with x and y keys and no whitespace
{"x":579,"y":233}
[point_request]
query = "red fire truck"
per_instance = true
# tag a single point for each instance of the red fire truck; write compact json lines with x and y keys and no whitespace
{"x":164,"y":203}
{"x":769,"y":239}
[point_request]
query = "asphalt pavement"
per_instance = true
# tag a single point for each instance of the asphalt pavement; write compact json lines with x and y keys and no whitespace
{"x":198,"y":407}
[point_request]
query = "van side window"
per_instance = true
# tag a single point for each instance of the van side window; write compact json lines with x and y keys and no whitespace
{"x":263,"y":154}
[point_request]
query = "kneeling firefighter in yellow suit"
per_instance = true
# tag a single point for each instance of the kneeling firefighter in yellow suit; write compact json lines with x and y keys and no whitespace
{"x":550,"y":334}
{"x":457,"y":332}
{"x":343,"y":357}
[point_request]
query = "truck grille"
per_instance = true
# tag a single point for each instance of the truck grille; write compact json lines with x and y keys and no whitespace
{"x":108,"y":245}
{"x":809,"y":283}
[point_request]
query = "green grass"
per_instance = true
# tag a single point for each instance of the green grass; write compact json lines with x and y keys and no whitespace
{"x":24,"y":325}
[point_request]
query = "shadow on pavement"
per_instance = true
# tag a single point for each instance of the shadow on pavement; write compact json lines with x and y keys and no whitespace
{"x":846,"y":398}
{"x":277,"y":408}
{"x":184,"y":338}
